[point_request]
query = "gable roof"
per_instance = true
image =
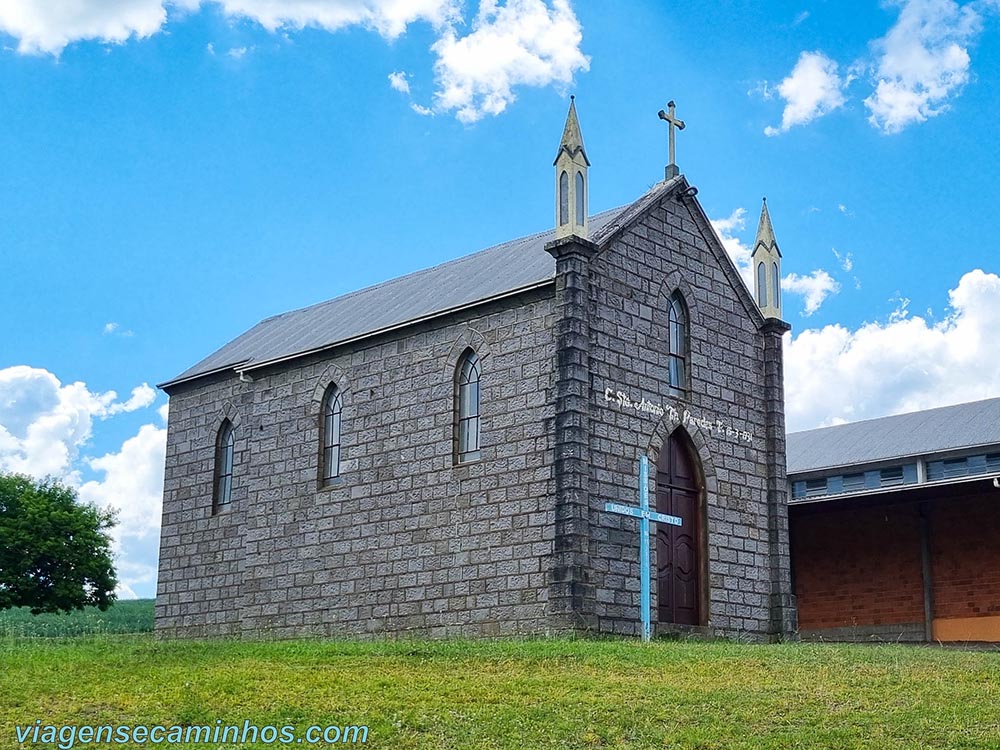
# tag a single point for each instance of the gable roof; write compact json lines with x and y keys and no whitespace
{"x":920,"y":433}
{"x":500,"y":271}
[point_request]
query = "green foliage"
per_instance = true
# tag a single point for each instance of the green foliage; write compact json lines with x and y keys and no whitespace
{"x":132,"y":616}
{"x":512,"y":695}
{"x":55,"y":553}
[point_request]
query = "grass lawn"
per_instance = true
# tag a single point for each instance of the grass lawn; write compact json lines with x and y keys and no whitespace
{"x":517,"y":694}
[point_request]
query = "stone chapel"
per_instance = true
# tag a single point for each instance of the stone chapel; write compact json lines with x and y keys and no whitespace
{"x":432,"y":455}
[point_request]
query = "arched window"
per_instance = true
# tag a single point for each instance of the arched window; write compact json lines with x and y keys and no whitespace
{"x":761,"y":285}
{"x":563,"y":199}
{"x":225,"y":450}
{"x":677,"y":343}
{"x":580,"y":207}
{"x":467,"y":422}
{"x":776,"y":291}
{"x":332,"y":410}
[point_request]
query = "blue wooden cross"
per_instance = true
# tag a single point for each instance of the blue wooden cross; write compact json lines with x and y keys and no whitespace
{"x":645,"y":516}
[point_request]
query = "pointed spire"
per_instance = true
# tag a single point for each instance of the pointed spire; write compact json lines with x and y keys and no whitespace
{"x":765,"y":232}
{"x":766,"y":264}
{"x":572,"y":137}
{"x":572,"y":186}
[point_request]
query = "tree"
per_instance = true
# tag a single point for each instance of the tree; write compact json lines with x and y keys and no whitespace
{"x":55,"y":552}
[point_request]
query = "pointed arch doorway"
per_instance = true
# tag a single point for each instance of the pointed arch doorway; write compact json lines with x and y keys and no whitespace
{"x":678,"y":548}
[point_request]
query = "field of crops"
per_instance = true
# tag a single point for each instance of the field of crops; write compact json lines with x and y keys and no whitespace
{"x":134,"y":616}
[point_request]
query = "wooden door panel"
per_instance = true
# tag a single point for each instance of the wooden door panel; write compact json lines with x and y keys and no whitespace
{"x":678,"y":550}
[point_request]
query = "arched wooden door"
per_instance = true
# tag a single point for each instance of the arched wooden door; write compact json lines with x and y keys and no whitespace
{"x":677,"y":547}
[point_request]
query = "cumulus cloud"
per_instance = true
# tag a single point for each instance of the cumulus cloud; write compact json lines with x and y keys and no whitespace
{"x":511,"y":44}
{"x":813,"y":88}
{"x":45,"y":26}
{"x":520,"y":43}
{"x":814,"y":288}
{"x":388,"y":17}
{"x":44,"y":425}
{"x":921,"y":62}
{"x":397,"y":80}
{"x":727,"y":230}
{"x":42,"y":26}
{"x":834,"y":374}
{"x":131,"y":482}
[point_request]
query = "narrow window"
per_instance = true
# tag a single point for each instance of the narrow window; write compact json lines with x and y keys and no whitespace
{"x":563,"y":199}
{"x":677,"y":344}
{"x":891,"y":477}
{"x":332,"y":410}
{"x":854,"y":482}
{"x":580,"y":207}
{"x":225,"y":449}
{"x":468,"y":407}
{"x":776,"y":284}
{"x":815,"y":487}
{"x":761,"y":285}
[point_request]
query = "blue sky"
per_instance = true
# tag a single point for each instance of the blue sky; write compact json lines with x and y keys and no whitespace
{"x":174,"y":172}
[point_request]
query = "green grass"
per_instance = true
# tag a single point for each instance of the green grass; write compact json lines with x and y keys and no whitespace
{"x":531,"y":695}
{"x":135,"y":616}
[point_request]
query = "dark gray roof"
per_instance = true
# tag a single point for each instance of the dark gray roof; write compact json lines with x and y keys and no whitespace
{"x":495,"y":272}
{"x":919,"y":433}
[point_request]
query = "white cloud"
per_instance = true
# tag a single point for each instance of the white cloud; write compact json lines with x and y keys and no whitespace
{"x":738,"y":252}
{"x":43,"y":26}
{"x":846,"y":260}
{"x":835,"y":374}
{"x":116,"y":329}
{"x":397,"y":80}
{"x":512,"y":44}
{"x":132,"y":484}
{"x":814,"y":288}
{"x":46,"y":26}
{"x":521,"y":43}
{"x":238,"y":53}
{"x":921,"y":62}
{"x":388,"y":17}
{"x":43,"y":427}
{"x":43,"y":423}
{"x":814,"y":88}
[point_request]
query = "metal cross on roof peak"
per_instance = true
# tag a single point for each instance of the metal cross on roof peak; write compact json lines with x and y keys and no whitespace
{"x":673,"y":123}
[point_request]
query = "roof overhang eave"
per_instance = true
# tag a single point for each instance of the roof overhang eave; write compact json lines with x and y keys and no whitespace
{"x":249,"y":365}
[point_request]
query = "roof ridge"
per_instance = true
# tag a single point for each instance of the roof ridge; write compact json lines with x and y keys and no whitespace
{"x":420,"y":271}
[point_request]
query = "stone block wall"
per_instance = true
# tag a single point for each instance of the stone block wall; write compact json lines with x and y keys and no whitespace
{"x":669,"y":248}
{"x":408,"y":541}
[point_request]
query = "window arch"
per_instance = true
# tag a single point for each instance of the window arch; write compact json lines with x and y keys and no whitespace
{"x":225,"y":452}
{"x":563,"y":198}
{"x":333,"y":407}
{"x":677,"y":336}
{"x":467,"y":428}
{"x":580,"y":205}
{"x":761,"y":284}
{"x":776,"y":282}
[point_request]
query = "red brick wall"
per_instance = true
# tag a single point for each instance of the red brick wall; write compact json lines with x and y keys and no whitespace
{"x":965,"y":557}
{"x":857,"y":567}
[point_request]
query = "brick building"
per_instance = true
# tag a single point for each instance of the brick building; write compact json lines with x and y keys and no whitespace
{"x":433,"y":454}
{"x":894,"y":526}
